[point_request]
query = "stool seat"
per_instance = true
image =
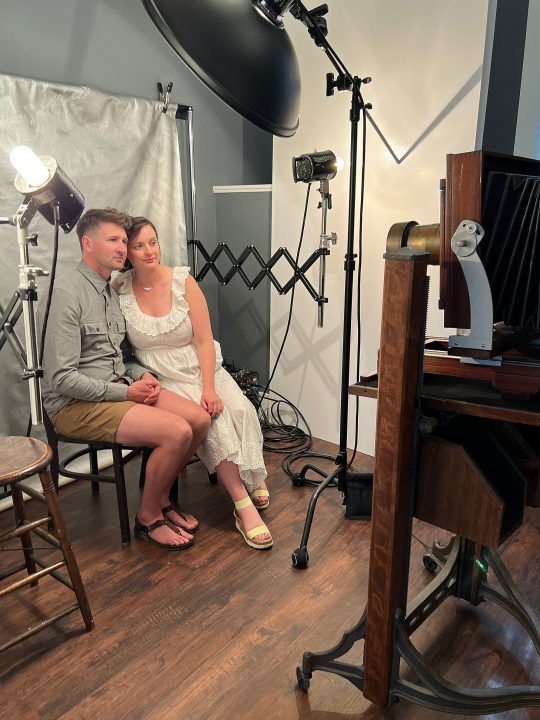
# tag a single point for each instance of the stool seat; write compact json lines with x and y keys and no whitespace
{"x":22,"y":457}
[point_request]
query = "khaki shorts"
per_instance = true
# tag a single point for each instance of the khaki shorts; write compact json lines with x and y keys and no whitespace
{"x":91,"y":420}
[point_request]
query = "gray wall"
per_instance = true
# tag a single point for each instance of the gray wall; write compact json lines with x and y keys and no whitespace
{"x":113,"y":46}
{"x":245,"y":218}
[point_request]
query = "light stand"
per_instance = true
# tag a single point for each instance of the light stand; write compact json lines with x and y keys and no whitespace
{"x":308,"y":168}
{"x":48,"y":191}
{"x":23,"y":300}
{"x":344,"y":81}
{"x":324,"y":244}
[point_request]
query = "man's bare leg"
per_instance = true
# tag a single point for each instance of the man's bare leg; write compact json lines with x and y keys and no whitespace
{"x":199,"y":421}
{"x":171,"y":437}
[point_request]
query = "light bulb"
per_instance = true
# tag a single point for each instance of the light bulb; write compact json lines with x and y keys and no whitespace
{"x":27,"y":163}
{"x":340,"y":163}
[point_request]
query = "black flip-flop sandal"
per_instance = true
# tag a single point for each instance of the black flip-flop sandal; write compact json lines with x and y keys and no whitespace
{"x":174,"y":508}
{"x":140,"y":531}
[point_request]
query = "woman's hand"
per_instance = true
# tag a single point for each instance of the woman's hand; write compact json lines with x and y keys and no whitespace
{"x":211,"y":402}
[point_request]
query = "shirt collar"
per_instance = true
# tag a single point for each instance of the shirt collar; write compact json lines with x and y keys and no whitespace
{"x":95,"y":278}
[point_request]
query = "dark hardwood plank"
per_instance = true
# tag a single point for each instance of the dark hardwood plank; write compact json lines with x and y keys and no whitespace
{"x":217,"y":631}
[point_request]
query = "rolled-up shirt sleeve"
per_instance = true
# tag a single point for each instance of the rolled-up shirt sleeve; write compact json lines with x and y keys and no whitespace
{"x":62,"y":355}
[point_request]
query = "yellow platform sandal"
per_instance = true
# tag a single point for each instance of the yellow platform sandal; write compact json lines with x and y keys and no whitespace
{"x":249,"y":535}
{"x":260,"y":498}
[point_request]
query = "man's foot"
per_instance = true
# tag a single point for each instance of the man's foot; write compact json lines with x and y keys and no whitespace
{"x":181,"y":520}
{"x":249,"y":524}
{"x":161,"y":533}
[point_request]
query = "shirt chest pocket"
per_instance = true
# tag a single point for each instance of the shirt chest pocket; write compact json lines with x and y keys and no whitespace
{"x":93,"y":330}
{"x":103,"y":334}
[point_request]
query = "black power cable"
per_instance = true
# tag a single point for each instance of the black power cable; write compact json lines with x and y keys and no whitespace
{"x":292,"y":300}
{"x":279,"y":435}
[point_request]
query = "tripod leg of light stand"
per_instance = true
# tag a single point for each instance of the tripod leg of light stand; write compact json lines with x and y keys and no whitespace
{"x":300,"y":557}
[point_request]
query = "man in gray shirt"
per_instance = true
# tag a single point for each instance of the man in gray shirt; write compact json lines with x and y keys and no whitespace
{"x":93,"y":388}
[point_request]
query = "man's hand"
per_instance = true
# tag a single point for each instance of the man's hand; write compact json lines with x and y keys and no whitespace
{"x":145,"y":390}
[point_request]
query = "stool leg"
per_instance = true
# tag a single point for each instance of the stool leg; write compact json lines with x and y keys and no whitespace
{"x":26,"y":538}
{"x":65,"y":546}
{"x":121,"y":497}
{"x":92,"y":454}
{"x":173,"y":492}
{"x":55,"y":462}
{"x":144,"y":462}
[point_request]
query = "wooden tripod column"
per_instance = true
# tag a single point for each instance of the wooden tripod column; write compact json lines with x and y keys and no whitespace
{"x":402,"y":330}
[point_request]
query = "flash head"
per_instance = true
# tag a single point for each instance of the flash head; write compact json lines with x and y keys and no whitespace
{"x":315,"y":166}
{"x":44,"y":182}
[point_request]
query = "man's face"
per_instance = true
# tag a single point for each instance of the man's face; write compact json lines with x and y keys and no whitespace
{"x":105,"y":248}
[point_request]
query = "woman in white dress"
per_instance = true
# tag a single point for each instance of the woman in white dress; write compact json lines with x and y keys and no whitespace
{"x":168,"y":325}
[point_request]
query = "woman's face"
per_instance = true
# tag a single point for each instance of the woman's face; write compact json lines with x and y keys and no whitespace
{"x":143,"y":250}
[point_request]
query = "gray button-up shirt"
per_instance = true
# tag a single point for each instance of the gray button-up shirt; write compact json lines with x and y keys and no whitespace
{"x":86,"y":350}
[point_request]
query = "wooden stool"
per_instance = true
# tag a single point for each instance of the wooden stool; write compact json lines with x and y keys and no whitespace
{"x":21,"y":457}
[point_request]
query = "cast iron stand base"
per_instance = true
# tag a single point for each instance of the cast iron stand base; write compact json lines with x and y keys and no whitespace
{"x":463,"y":575}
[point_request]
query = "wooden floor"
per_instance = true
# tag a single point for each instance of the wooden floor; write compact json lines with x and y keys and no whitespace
{"x":218,"y":630}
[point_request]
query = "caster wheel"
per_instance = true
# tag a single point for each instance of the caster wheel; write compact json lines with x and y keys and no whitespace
{"x":430,"y":563}
{"x":300,"y":558}
{"x":297,"y":480}
{"x":212,"y":478}
{"x":302,"y":680}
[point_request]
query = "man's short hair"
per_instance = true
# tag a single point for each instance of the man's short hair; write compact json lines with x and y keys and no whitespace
{"x":92,"y":219}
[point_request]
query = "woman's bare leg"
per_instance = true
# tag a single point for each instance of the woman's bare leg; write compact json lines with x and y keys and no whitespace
{"x":229,"y":475}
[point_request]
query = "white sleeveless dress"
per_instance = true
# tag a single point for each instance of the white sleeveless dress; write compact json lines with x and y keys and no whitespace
{"x":165,"y":344}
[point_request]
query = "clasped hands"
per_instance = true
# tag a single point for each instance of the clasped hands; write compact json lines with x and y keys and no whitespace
{"x":145,"y":390}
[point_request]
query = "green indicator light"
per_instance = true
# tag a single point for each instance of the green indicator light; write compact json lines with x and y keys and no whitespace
{"x":483,"y":567}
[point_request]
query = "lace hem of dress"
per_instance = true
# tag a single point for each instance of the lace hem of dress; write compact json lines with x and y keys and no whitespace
{"x":247,"y":458}
{"x":147,"y":324}
{"x":252,"y":477}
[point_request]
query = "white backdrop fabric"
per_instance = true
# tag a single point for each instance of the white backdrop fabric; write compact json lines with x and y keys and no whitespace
{"x":120,"y":152}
